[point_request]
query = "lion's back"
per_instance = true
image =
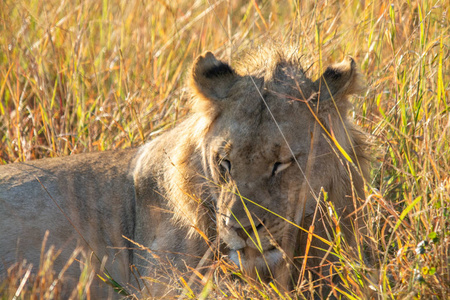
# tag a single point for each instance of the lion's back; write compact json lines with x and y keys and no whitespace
{"x":87,"y":197}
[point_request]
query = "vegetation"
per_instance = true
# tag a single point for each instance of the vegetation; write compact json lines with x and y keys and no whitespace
{"x":78,"y":76}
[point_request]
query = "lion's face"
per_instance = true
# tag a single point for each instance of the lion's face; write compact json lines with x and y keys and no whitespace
{"x":257,"y":174}
{"x":256,"y":150}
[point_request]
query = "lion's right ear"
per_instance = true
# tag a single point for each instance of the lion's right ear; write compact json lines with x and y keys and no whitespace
{"x":338,"y":81}
{"x":211,"y":78}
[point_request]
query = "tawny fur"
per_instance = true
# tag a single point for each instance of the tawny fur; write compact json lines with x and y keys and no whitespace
{"x":228,"y":165}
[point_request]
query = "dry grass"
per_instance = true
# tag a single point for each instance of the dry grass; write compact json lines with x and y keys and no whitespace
{"x":79,"y":76}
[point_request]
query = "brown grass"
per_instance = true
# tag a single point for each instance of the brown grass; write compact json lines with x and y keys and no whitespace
{"x":79,"y":76}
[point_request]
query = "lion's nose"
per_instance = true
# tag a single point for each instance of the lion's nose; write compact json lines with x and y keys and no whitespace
{"x":244,"y":229}
{"x":231,"y":222}
{"x":245,"y":223}
{"x":245,"y":232}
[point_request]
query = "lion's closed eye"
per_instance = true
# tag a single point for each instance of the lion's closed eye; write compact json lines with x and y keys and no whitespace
{"x":226,"y":165}
{"x":278,"y":167}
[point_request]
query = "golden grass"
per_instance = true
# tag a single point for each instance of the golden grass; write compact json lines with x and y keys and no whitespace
{"x":87,"y":75}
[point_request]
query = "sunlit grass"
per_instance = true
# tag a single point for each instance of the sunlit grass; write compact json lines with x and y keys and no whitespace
{"x":78,"y":76}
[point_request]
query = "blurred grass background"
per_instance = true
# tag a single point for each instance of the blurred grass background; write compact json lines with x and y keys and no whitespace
{"x":78,"y":76}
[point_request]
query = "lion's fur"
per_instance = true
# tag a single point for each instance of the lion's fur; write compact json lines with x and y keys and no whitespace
{"x":196,"y":177}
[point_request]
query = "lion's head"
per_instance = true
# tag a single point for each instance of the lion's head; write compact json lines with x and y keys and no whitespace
{"x":272,"y":140}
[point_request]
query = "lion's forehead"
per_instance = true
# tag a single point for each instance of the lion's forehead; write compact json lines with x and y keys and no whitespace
{"x":271,"y":131}
{"x":276,"y":144}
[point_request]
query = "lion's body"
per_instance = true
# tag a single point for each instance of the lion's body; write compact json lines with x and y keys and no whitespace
{"x":235,"y":148}
{"x":91,"y":189}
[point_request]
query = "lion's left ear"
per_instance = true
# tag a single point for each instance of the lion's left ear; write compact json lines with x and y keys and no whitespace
{"x":212,"y":78}
{"x":338,"y":81}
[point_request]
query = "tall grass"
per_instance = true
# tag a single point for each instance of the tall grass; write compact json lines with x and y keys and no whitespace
{"x":78,"y":76}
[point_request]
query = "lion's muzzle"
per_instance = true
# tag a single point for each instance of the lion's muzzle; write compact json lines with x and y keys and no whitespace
{"x":249,"y":249}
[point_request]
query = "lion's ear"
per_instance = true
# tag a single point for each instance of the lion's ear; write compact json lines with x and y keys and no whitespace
{"x":339,"y":80}
{"x":212,"y":78}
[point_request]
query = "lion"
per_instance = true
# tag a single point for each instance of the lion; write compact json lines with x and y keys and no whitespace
{"x":263,"y":152}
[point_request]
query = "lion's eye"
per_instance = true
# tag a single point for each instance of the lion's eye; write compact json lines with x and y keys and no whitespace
{"x":278,"y":167}
{"x":226,"y":164}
